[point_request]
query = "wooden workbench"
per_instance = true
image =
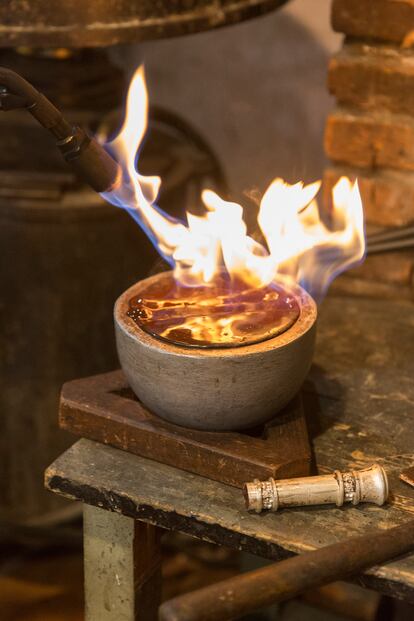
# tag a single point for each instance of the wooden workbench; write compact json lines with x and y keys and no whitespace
{"x":360,"y":408}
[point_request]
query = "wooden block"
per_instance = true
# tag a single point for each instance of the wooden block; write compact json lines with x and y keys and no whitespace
{"x":373,"y":77}
{"x":387,"y":196}
{"x":389,"y":20}
{"x":370,"y":140}
{"x":103,"y":408}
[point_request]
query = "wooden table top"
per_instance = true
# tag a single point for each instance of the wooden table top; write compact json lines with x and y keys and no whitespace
{"x":360,"y":409}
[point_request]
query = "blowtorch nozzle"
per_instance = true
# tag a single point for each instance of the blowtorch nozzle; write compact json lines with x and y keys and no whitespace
{"x":89,"y":159}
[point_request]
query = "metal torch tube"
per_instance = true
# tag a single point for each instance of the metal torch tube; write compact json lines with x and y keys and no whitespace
{"x":253,"y":590}
{"x":88,"y":159}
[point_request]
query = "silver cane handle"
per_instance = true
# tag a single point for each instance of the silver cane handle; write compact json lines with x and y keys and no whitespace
{"x":367,"y":485}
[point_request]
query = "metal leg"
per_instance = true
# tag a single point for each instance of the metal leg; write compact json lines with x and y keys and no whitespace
{"x":122,"y":560}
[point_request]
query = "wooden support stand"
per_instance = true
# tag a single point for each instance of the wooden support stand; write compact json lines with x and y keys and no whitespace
{"x":122,"y":559}
{"x":103,"y":408}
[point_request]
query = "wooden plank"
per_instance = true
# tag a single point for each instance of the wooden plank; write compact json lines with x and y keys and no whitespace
{"x":390,"y":20}
{"x":372,"y":77}
{"x":370,"y":140}
{"x":174,"y":499}
{"x":387,"y":196}
{"x":103,"y":408}
{"x":360,"y":407}
{"x":122,"y":560}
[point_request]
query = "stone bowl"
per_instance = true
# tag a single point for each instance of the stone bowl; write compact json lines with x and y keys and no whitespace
{"x":216,"y":389}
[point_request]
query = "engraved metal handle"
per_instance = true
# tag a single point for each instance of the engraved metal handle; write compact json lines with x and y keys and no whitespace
{"x":367,"y":485}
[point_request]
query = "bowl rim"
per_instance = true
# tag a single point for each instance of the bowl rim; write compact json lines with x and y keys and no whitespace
{"x":303,"y":324}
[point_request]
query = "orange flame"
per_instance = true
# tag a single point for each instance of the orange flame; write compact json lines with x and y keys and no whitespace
{"x":299,"y":245}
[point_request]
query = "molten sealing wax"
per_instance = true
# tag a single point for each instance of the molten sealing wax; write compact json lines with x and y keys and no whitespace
{"x":224,"y":313}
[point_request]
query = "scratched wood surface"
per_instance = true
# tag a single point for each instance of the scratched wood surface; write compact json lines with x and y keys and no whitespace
{"x":104,"y":408}
{"x":359,"y":402}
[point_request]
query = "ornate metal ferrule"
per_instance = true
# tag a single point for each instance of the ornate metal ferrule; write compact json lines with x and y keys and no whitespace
{"x":367,"y":485}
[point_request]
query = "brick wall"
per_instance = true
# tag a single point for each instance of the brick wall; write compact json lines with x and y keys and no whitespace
{"x":370,"y":134}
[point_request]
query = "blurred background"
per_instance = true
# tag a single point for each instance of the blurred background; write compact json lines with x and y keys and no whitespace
{"x":252,"y":101}
{"x":257,"y":92}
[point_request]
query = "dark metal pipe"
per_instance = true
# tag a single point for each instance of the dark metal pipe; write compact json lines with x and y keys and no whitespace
{"x":253,"y":590}
{"x":392,"y":240}
{"x":89,"y":160}
{"x":401,"y":232}
{"x":390,"y":246}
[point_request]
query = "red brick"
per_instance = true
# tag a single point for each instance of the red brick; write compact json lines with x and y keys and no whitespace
{"x":387,"y":196}
{"x":370,"y":140}
{"x":389,"y":20}
{"x":373,"y":77}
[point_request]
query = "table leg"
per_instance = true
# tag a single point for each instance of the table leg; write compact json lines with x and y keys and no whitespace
{"x":122,"y":559}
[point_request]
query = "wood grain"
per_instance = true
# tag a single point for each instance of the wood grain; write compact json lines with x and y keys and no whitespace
{"x":103,"y":408}
{"x":360,"y":402}
{"x":122,"y":567}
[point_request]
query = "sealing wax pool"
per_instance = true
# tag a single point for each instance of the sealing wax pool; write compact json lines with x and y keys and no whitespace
{"x":222,"y":314}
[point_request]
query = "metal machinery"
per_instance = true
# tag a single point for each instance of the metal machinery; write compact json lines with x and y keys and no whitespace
{"x":66,"y":255}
